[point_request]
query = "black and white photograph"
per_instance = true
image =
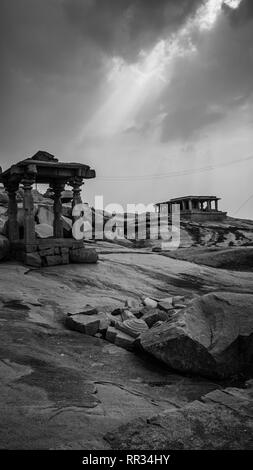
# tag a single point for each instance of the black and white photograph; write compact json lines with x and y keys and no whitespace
{"x":126,"y":232}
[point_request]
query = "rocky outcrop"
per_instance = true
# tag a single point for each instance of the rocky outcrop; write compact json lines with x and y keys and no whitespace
{"x":221,"y":420}
{"x":4,"y":247}
{"x":213,"y":336}
{"x":44,"y":230}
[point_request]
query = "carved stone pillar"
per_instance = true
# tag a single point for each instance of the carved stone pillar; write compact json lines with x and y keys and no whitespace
{"x":216,"y":205}
{"x":29,"y":222}
{"x":209,"y":208}
{"x":58,"y":225}
{"x":190,"y":205}
{"x":76,"y":184}
{"x":13,"y":232}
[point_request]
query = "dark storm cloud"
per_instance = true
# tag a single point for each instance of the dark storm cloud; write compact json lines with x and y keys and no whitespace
{"x":242,"y":14}
{"x":217,"y":80}
{"x":49,"y":76}
{"x":124,"y":27}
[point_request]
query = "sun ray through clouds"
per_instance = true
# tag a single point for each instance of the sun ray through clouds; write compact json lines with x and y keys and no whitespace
{"x":130,"y":85}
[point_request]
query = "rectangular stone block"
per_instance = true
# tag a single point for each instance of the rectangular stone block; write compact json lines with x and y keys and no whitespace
{"x":65,"y":258}
{"x":84,"y":324}
{"x":124,"y":341}
{"x":53,"y":260}
{"x":46,"y":251}
{"x":111,"y":334}
{"x":32,"y":259}
{"x":64,"y":250}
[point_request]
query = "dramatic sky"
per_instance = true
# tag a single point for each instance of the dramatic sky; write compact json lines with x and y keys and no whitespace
{"x":156,"y":95}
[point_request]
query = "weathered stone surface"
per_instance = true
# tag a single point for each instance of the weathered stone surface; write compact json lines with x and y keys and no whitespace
{"x":44,"y":231}
{"x":86,"y":310}
{"x":126,"y":314}
{"x":212,"y":337}
{"x":166,"y":304}
{"x":178,"y":299}
{"x":178,"y":305}
{"x":124,"y":341}
{"x":152,"y":316}
{"x":133,"y":327}
{"x":105,"y":322}
{"x":4,"y":247}
{"x":84,"y":323}
{"x":149,"y":302}
{"x":54,"y":260}
{"x":83,"y":255}
{"x":111,"y":334}
{"x":33,"y":259}
{"x":220,"y":423}
{"x":131,"y":303}
{"x":117,"y":311}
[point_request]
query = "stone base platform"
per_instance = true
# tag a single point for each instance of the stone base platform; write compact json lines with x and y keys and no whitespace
{"x":52,"y":252}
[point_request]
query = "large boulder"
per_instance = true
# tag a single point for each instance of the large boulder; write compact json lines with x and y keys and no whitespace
{"x":44,"y":231}
{"x":4,"y":247}
{"x":45,"y":215}
{"x":213,"y":336}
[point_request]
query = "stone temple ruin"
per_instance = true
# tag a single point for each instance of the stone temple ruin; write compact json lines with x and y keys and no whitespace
{"x":44,"y":168}
{"x":195,"y":208}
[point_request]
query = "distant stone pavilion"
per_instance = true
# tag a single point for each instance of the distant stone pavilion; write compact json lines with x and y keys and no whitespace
{"x":195,"y":208}
{"x":43,"y":168}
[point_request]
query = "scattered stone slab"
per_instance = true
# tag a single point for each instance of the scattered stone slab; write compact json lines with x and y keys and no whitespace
{"x":133,"y":327}
{"x":88,"y":324}
{"x":149,"y":302}
{"x":152,"y":316}
{"x":213,"y":336}
{"x":117,"y":311}
{"x":137,"y":312}
{"x":105,"y":322}
{"x":178,"y":299}
{"x":131,"y":303}
{"x":166,"y":305}
{"x":124,"y":341}
{"x":126,"y":314}
{"x":177,"y":305}
{"x":111,"y":334}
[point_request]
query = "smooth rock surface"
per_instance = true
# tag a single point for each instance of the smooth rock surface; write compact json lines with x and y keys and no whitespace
{"x":223,"y":422}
